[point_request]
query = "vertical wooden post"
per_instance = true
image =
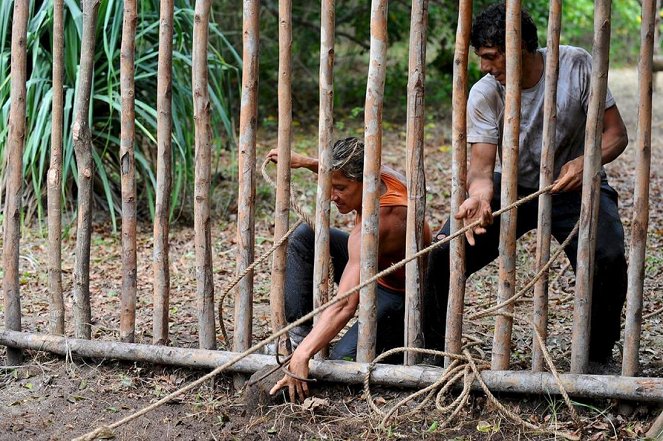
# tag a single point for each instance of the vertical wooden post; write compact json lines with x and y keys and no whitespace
{"x":282,"y":210}
{"x":203,"y":171}
{"x":321,"y":282}
{"x":56,"y":313}
{"x":370,"y":210}
{"x":640,"y":219}
{"x":82,"y":139}
{"x":591,"y":188}
{"x":160,"y":257}
{"x":128,"y":173}
{"x":247,"y":179}
{"x":507,"y":261}
{"x":416,"y":178}
{"x":540,"y":318}
{"x":454,"y":327}
{"x":14,"y":161}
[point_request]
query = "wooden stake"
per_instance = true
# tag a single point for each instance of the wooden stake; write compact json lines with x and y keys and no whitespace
{"x":547,"y":167}
{"x":454,"y":326}
{"x":82,"y":139}
{"x":128,"y":173}
{"x":14,"y":171}
{"x":587,"y":386}
{"x":416,"y":178}
{"x":321,"y":282}
{"x":591,"y":188}
{"x":282,"y":210}
{"x":160,"y":257}
{"x":640,"y":219}
{"x":370,"y":209}
{"x":507,"y":260}
{"x":56,"y":313}
{"x":203,"y":171}
{"x":247,"y":176}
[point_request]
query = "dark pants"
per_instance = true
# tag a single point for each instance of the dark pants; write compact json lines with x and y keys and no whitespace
{"x":609,"y":279}
{"x":299,"y":292}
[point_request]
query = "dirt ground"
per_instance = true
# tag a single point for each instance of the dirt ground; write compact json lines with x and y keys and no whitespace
{"x":51,"y":398}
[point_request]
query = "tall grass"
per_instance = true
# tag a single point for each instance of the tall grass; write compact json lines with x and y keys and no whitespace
{"x":224,"y":67}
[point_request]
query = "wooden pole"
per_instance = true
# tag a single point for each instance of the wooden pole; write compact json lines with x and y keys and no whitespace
{"x":370,"y":209}
{"x":547,"y":167}
{"x":203,"y":171}
{"x":160,"y":257}
{"x":247,"y":178}
{"x":128,"y":173}
{"x":507,"y":248}
{"x":82,"y":139}
{"x":416,"y":178}
{"x":591,"y":188}
{"x":454,"y":327}
{"x":587,"y":386}
{"x":321,"y":282}
{"x":282,"y":210}
{"x":640,"y":219}
{"x":56,"y":314}
{"x":14,"y":171}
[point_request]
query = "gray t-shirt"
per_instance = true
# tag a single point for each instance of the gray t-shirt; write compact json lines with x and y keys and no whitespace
{"x":485,"y":114}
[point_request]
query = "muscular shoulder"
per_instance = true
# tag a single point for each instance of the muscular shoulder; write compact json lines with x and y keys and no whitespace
{"x":486,"y":93}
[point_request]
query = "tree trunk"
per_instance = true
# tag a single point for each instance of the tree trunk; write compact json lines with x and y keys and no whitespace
{"x":202,"y":227}
{"x":83,"y":147}
{"x":247,"y":182}
{"x":161,"y":266}
{"x":14,"y":173}
{"x":128,"y":174}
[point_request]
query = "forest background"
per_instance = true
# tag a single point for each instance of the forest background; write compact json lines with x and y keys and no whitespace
{"x":225,"y":64}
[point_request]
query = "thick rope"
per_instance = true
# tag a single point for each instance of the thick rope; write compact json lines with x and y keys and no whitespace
{"x":339,"y":298}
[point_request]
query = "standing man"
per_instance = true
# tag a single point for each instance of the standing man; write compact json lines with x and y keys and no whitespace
{"x":485,"y":124}
{"x":347,"y":176}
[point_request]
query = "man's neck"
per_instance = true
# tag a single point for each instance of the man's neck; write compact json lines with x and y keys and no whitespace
{"x":532,"y":68}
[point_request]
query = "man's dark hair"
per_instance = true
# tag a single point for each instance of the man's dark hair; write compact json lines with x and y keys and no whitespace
{"x":489,"y":29}
{"x":348,"y":158}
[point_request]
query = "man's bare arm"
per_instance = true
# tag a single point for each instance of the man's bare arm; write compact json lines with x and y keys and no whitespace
{"x":613,"y":142}
{"x":296,"y":160}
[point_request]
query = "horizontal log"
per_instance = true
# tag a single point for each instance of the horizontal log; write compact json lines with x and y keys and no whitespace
{"x":587,"y":386}
{"x":658,"y":63}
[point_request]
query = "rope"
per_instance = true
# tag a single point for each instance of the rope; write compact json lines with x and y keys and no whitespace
{"x":340,"y":297}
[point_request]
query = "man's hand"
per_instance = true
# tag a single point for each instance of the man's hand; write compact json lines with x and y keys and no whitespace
{"x":474,"y":209}
{"x":296,"y":389}
{"x":296,"y":160}
{"x":570,"y":176}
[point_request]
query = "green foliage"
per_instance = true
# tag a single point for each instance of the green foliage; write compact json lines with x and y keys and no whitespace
{"x":223,"y":62}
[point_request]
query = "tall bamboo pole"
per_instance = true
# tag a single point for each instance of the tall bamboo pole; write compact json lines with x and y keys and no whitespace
{"x":82,"y":139}
{"x":128,"y":173}
{"x":160,"y":257}
{"x":454,"y":327}
{"x":545,"y":179}
{"x":370,"y":210}
{"x":640,"y":219}
{"x":281,"y":221}
{"x":203,"y":171}
{"x":321,"y":282}
{"x":416,"y":178}
{"x":591,"y":188}
{"x":14,"y":161}
{"x":56,"y":315}
{"x":247,"y":175}
{"x":507,"y":248}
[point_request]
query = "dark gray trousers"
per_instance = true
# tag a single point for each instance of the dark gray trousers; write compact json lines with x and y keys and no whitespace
{"x":299,"y":292}
{"x":609,"y":279}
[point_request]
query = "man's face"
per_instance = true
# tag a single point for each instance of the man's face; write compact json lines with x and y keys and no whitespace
{"x":346,"y":193}
{"x":493,"y":62}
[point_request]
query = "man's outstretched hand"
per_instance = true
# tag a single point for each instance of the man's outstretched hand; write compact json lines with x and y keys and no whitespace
{"x":570,"y":176}
{"x":296,"y":389}
{"x":296,"y":160}
{"x":474,"y":209}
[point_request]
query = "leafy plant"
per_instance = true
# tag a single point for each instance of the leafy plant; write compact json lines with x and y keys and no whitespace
{"x":224,"y":66}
